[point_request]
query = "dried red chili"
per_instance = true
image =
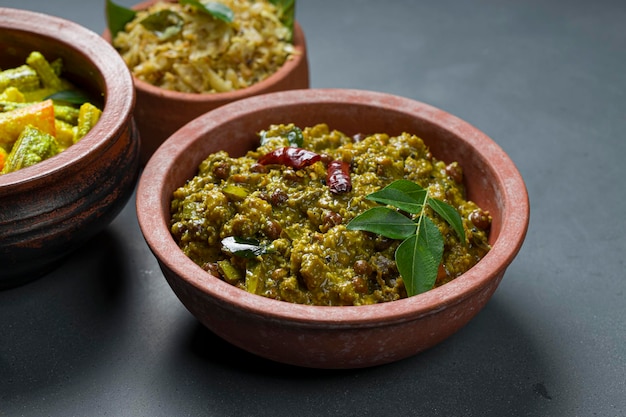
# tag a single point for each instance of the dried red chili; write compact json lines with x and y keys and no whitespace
{"x":338,"y":177}
{"x":297,"y":158}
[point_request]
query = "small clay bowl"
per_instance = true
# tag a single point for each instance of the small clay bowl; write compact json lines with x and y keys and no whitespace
{"x":51,"y":208}
{"x":334,"y":337}
{"x":160,"y":112}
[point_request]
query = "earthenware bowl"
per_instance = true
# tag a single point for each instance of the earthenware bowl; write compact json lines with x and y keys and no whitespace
{"x":160,"y":112}
{"x":51,"y":208}
{"x":334,"y":337}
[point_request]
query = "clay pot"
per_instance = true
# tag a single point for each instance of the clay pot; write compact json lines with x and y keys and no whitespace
{"x":160,"y":112}
{"x":51,"y":208}
{"x":334,"y":337}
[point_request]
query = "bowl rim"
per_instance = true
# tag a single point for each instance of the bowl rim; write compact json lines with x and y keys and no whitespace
{"x":293,"y":62}
{"x":514,"y":225}
{"x":118,"y":91}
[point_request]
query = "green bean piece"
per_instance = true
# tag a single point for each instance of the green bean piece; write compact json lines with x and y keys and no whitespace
{"x":57,"y":66}
{"x":229,"y":272}
{"x":11,"y":105}
{"x":23,"y":78}
{"x":67,"y":114}
{"x":235,"y":192}
{"x":31,"y":147}
{"x":46,"y":73}
{"x":88,"y":116}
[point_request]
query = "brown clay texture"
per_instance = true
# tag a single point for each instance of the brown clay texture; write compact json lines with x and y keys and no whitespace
{"x":334,"y":337}
{"x":50,"y":209}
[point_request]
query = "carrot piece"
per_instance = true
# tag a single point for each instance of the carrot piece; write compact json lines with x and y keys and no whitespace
{"x":39,"y":115}
{"x":3,"y":158}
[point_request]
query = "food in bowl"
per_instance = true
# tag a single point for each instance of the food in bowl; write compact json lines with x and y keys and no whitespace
{"x":195,"y":47}
{"x":51,"y":208}
{"x":277,"y":221}
{"x":154,"y":113}
{"x":41,"y":113}
{"x":328,"y":336}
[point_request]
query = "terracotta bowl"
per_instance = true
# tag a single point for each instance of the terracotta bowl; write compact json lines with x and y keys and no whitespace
{"x":160,"y":112}
{"x":49,"y":209}
{"x":334,"y":337}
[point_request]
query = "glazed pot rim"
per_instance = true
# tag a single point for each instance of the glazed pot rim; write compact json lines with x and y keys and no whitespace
{"x":293,"y":62}
{"x":492,"y":266}
{"x":119,"y":93}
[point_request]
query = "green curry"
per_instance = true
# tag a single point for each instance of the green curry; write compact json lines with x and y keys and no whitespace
{"x":273,"y":222}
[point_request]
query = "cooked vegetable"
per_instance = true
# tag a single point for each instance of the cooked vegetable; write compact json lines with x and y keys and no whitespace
{"x":68,"y":114}
{"x":31,"y":147}
{"x":286,"y":13}
{"x":10,"y":98}
{"x":3,"y":158}
{"x":23,"y":78}
{"x":228,"y":271}
{"x":199,"y":46}
{"x":39,"y":113}
{"x":118,"y":16}
{"x":65,"y":133}
{"x":88,"y":116}
{"x":289,"y":234}
{"x":235,"y":192}
{"x":47,"y":76}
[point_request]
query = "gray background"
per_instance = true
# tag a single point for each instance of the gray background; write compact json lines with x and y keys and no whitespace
{"x":546,"y":79}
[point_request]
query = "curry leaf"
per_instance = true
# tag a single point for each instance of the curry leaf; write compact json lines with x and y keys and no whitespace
{"x":117,"y":17}
{"x":286,"y":14}
{"x":419,"y":256}
{"x":403,"y":194}
{"x":244,"y":248}
{"x":294,"y":137}
{"x":70,"y":96}
{"x":212,"y":8}
{"x":420,"y":253}
{"x":450,"y":215}
{"x":165,"y":23}
{"x":409,"y":188}
{"x":384,"y":221}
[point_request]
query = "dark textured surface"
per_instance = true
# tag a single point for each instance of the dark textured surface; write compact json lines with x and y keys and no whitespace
{"x":104,"y":334}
